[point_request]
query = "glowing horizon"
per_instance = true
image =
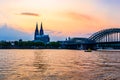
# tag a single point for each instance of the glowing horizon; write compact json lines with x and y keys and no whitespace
{"x":61,"y":17}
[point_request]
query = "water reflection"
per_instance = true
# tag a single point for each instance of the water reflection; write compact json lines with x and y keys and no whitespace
{"x":59,"y":65}
{"x":39,"y":62}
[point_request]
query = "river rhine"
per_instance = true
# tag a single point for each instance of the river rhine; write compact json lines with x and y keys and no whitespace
{"x":59,"y":65}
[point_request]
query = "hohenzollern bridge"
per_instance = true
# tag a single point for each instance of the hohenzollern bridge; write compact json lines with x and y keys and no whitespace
{"x":104,"y":39}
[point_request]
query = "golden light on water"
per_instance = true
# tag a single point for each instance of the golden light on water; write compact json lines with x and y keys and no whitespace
{"x":58,"y":64}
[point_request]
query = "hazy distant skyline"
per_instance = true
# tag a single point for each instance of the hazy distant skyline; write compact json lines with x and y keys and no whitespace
{"x":61,"y":18}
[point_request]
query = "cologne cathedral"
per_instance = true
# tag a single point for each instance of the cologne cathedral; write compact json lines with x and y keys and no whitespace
{"x":39,"y":35}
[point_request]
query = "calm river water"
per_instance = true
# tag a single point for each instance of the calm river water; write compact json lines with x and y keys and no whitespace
{"x":59,"y":65}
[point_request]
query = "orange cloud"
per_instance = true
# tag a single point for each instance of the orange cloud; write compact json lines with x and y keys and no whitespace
{"x":79,"y":16}
{"x":29,"y":14}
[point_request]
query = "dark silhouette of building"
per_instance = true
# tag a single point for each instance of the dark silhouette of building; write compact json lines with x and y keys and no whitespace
{"x":104,"y":39}
{"x":39,"y":36}
{"x":41,"y":30}
{"x":36,"y":32}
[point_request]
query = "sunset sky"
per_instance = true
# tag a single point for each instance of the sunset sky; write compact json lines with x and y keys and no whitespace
{"x":60,"y":18}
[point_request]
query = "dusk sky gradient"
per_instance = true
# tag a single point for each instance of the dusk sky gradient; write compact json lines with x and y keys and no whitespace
{"x":61,"y":18}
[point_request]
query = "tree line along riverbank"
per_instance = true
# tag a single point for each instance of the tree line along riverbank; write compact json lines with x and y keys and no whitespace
{"x":28,"y":45}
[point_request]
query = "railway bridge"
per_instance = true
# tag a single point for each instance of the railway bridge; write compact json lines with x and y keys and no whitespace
{"x":104,"y":39}
{"x":107,"y":38}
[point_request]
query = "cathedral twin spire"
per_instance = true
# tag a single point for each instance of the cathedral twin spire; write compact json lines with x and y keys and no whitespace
{"x":36,"y":30}
{"x":41,"y":30}
{"x":39,"y":34}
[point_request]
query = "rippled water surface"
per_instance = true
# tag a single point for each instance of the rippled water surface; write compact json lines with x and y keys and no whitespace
{"x":59,"y":65}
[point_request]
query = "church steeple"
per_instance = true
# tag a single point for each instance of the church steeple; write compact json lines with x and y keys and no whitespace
{"x":39,"y":35}
{"x":36,"y":31}
{"x":41,"y":30}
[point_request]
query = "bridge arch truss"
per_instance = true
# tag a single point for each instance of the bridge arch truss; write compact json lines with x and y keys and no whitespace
{"x":106,"y":35}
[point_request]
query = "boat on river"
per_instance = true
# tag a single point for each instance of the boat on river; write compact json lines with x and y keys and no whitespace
{"x":89,"y":50}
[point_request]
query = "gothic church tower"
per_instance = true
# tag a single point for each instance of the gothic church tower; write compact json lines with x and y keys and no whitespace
{"x":39,"y":35}
{"x":41,"y":30}
{"x":36,"y":32}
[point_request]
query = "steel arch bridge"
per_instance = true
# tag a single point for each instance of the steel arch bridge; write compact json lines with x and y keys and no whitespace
{"x":106,"y":35}
{"x":104,"y":39}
